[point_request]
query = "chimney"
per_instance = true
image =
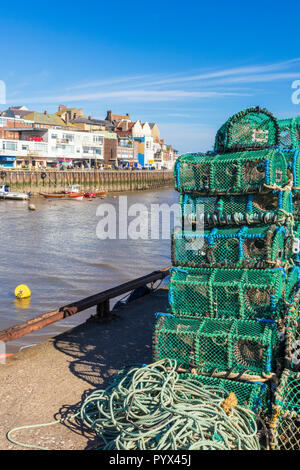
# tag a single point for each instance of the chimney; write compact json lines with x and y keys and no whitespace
{"x":90,"y":118}
{"x":61,"y":108}
{"x":45,"y":112}
{"x":124,"y":126}
{"x":109,"y":115}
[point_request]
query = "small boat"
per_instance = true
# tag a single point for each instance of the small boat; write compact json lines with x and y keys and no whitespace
{"x":74,"y":196}
{"x":100,"y":193}
{"x":5,"y":193}
{"x":96,"y":193}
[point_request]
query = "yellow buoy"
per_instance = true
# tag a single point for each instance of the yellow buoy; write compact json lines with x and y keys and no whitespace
{"x":22,"y":291}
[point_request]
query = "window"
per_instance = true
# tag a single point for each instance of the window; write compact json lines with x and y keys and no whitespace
{"x":98,"y":138}
{"x":9,"y":146}
{"x":69,"y":137}
{"x":41,"y":147}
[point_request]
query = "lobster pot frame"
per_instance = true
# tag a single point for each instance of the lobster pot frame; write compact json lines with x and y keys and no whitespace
{"x":252,"y":396}
{"x":250,"y":129}
{"x":236,"y":210}
{"x":228,"y":293}
{"x":235,"y":173}
{"x":285,"y":424}
{"x":217,"y":345}
{"x":248,"y":247}
{"x":289,"y":133}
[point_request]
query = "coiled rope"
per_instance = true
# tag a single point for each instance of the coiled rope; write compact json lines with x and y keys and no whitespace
{"x":152,"y":408}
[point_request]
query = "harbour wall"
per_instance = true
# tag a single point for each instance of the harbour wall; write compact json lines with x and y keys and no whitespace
{"x":53,"y":181}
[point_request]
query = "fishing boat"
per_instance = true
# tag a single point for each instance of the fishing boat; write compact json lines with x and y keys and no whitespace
{"x":70,"y":193}
{"x":75,"y":188}
{"x":5,"y":193}
{"x":74,"y":196}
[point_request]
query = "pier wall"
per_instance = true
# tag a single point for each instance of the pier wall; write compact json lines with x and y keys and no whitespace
{"x":56,"y":181}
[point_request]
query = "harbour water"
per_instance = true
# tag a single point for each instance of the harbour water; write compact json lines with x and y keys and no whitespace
{"x":56,"y":252}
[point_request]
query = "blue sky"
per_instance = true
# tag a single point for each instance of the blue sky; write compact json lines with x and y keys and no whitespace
{"x":186,"y":65}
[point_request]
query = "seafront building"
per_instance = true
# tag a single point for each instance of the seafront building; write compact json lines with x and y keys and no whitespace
{"x":69,"y":139}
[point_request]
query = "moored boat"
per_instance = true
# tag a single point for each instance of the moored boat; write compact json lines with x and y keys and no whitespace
{"x":74,"y":196}
{"x":93,"y":194}
{"x":5,"y":193}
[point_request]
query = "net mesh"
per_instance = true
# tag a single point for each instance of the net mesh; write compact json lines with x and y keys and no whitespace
{"x":250,"y":129}
{"x":216,"y":345}
{"x":228,"y":293}
{"x":250,"y":396}
{"x":292,"y":346}
{"x":292,"y":332}
{"x":249,"y":247}
{"x":285,"y":426}
{"x":236,"y":173}
{"x":289,"y":132}
{"x":237,"y":210}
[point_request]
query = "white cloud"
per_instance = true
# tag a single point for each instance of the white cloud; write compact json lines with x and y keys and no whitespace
{"x":133,"y":96}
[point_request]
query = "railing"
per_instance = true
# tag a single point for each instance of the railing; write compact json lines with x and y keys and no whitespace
{"x":100,"y":300}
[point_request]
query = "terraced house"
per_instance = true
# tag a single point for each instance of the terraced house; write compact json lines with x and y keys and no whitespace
{"x":68,"y":139}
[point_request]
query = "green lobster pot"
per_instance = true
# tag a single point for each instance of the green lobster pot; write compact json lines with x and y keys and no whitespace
{"x":252,"y":396}
{"x":248,"y":247}
{"x":228,"y":293}
{"x":251,"y":129}
{"x":249,"y":209}
{"x":289,"y":133}
{"x":217,"y":345}
{"x":285,"y":423}
{"x":234,"y":173}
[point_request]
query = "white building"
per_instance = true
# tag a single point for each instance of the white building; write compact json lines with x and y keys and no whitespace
{"x":46,"y":147}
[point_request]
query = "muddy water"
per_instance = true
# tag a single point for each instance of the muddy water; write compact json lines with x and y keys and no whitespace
{"x":56,"y":252}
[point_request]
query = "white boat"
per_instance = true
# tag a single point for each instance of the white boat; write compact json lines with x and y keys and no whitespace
{"x":5,"y":193}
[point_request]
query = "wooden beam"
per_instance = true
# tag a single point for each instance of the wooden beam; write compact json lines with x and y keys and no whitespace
{"x":22,"y":329}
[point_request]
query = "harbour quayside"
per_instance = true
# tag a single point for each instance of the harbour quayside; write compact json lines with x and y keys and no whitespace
{"x":5,"y":193}
{"x":224,"y":370}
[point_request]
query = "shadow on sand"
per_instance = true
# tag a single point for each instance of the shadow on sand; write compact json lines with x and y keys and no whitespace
{"x":98,"y":351}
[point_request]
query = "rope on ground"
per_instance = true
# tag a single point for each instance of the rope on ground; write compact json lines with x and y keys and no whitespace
{"x":152,"y":408}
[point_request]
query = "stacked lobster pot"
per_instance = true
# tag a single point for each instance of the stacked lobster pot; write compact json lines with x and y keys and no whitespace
{"x":234,"y":274}
{"x":285,"y":423}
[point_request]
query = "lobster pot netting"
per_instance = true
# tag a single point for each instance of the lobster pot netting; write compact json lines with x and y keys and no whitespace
{"x":250,"y":129}
{"x":292,"y":346}
{"x":217,"y":345}
{"x":285,"y":424}
{"x":252,"y":396}
{"x":292,"y":157}
{"x":236,"y":210}
{"x":236,"y":173}
{"x":296,"y":209}
{"x":289,"y":133}
{"x":292,"y":333}
{"x":249,"y":247}
{"x":229,"y":293}
{"x":296,"y":243}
